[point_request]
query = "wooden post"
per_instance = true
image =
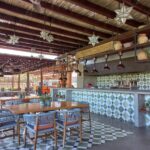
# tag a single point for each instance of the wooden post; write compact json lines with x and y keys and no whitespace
{"x":69,"y":80}
{"x":41,"y":71}
{"x":12,"y":82}
{"x":28,"y":83}
{"x":19,"y":82}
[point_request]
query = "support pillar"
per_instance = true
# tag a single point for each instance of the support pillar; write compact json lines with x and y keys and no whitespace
{"x":41,"y":72}
{"x":28,"y":84}
{"x":69,"y":80}
{"x":12,"y":82}
{"x":19,"y":82}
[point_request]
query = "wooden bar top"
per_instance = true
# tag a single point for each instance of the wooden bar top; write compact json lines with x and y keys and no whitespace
{"x":36,"y":107}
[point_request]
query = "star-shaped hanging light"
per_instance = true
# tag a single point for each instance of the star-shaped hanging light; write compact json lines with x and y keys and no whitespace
{"x":93,"y":39}
{"x":13,"y":39}
{"x":41,"y":56}
{"x":45,"y":35}
{"x":123,"y":14}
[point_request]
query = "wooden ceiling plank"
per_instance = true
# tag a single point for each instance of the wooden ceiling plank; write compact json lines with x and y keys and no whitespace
{"x":101,"y":10}
{"x":80,"y":17}
{"x":54,"y":20}
{"x":138,"y":6}
{"x":41,"y":26}
{"x":36,"y":44}
{"x":37,"y":32}
{"x":9,"y":32}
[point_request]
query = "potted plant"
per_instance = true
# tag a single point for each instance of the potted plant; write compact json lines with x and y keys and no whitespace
{"x":45,"y":100}
{"x":147,"y":106}
{"x":48,"y":100}
{"x":42,"y":100}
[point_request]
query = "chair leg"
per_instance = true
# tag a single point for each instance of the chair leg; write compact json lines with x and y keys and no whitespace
{"x":64,"y":136}
{"x":13,"y":132}
{"x":55,"y":137}
{"x":18,"y":131}
{"x":90,"y":119}
{"x":35,"y":139}
{"x":80,"y":132}
{"x":25,"y":134}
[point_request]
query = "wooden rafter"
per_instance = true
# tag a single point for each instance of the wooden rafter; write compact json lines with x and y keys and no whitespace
{"x":137,"y":6}
{"x":64,"y":24}
{"x":101,"y":10}
{"x":25,"y":35}
{"x":80,"y":17}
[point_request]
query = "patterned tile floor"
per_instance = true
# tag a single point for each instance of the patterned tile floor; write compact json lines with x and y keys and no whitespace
{"x":100,"y":134}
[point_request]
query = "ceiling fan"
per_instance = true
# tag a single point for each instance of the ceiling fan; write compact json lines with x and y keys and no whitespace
{"x":37,"y":5}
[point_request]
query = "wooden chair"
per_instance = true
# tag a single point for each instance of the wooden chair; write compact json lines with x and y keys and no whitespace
{"x":85,"y":114}
{"x":14,"y":102}
{"x":40,"y":125}
{"x":9,"y":121}
{"x":69,"y":119}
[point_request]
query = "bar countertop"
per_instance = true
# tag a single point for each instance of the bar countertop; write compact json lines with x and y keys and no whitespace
{"x":133,"y":91}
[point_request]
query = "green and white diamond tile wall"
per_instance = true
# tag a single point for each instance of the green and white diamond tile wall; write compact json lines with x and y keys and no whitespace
{"x":110,"y":80}
{"x":147,"y":116}
{"x":116,"y":105}
{"x":62,"y":93}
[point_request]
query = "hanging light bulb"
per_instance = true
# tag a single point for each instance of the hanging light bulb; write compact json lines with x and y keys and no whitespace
{"x":85,"y":67}
{"x":120,"y":65}
{"x":94,"y":70}
{"x":106,"y":67}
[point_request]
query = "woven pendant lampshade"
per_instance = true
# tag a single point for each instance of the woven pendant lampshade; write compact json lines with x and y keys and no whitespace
{"x":142,"y":55}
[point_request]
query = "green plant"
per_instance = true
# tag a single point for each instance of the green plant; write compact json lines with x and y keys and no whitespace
{"x":45,"y":98}
{"x":147,"y":104}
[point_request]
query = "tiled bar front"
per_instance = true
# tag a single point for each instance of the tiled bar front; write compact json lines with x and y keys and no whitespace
{"x":119,"y":104}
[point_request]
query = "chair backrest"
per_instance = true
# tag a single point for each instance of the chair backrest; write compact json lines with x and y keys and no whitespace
{"x":71,"y":115}
{"x":13,"y":102}
{"x":6,"y":117}
{"x":41,"y":119}
{"x":34,"y":101}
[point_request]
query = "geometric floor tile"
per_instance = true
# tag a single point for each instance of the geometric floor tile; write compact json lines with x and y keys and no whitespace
{"x":99,"y":134}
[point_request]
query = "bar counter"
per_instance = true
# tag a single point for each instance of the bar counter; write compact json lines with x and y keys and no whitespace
{"x":123,"y":104}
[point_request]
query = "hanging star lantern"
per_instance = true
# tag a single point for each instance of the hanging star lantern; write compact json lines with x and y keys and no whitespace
{"x":41,"y":56}
{"x":45,"y":35}
{"x":50,"y":38}
{"x":93,"y":39}
{"x":13,"y":39}
{"x":123,"y":14}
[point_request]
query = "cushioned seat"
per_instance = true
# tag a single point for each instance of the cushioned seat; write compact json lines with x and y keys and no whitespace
{"x":69,"y":119}
{"x":40,"y":124}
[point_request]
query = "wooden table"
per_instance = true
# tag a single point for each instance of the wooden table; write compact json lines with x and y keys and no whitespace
{"x":36,"y":107}
{"x":4,"y":99}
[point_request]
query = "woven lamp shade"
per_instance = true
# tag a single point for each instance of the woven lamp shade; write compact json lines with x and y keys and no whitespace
{"x":142,"y":55}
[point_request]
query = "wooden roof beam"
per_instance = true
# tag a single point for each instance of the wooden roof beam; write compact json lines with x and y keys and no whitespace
{"x":80,"y":17}
{"x":55,"y":21}
{"x":27,"y":36}
{"x":39,"y":25}
{"x":36,"y":44}
{"x":37,"y":32}
{"x":137,"y":6}
{"x":101,"y":10}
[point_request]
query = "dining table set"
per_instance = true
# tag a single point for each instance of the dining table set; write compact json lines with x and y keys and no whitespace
{"x":43,"y":121}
